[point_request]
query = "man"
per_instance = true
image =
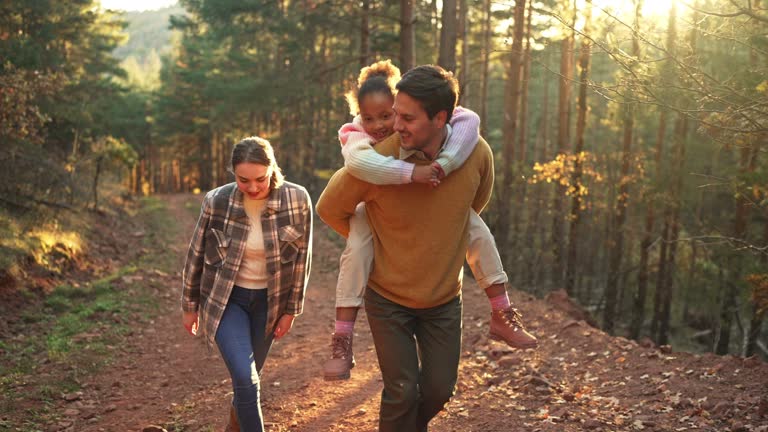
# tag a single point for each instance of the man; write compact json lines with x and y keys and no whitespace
{"x":413,"y":300}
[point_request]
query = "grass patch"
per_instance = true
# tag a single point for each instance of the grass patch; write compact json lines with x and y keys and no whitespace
{"x":76,"y":329}
{"x":163,"y":233}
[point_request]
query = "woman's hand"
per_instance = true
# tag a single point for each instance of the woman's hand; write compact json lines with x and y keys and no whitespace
{"x":189,"y":319}
{"x":284,"y":325}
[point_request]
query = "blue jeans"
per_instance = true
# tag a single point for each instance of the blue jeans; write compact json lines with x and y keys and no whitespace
{"x":244,"y":347}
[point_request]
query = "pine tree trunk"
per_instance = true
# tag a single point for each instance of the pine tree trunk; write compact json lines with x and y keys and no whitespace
{"x":727,"y":310}
{"x":756,"y":321}
{"x":206,"y":182}
{"x":661,"y":276}
{"x":486,"y":65}
{"x":576,"y":180}
{"x":616,"y":247}
{"x":526,"y":72}
{"x":407,"y":36}
{"x":638,"y":309}
{"x":447,"y":56}
{"x":741,"y":218}
{"x":563,"y":148}
{"x":464,"y":69}
{"x":536,"y":229}
{"x":520,"y":187}
{"x":681,"y":134}
{"x":96,"y":175}
{"x":691,"y":279}
{"x":135,"y":179}
{"x":667,"y":74}
{"x":365,"y":33}
{"x":434,"y":20}
{"x":509,"y":128}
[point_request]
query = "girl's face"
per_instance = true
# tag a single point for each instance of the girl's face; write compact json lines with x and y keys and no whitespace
{"x":377,"y":115}
{"x":253,"y":179}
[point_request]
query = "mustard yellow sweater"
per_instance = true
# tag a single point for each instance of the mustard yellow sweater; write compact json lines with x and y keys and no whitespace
{"x":419,"y":232}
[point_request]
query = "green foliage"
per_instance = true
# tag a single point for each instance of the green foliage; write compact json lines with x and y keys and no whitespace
{"x":21,"y":119}
{"x":143,"y":76}
{"x":55,"y":84}
{"x":114,"y":150}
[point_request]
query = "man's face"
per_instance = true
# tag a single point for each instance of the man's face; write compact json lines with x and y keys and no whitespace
{"x":416,"y":130}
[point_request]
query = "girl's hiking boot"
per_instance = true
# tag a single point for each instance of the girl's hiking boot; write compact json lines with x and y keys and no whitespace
{"x":342,"y":360}
{"x":507,"y":326}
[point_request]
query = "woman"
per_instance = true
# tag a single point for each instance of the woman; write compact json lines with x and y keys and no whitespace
{"x":247,"y":269}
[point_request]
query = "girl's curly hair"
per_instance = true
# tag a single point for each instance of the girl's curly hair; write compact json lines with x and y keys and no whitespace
{"x":381,"y":76}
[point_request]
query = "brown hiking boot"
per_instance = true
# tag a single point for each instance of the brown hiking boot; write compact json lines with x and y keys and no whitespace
{"x":233,"y":425}
{"x":342,"y":359}
{"x":507,"y":326}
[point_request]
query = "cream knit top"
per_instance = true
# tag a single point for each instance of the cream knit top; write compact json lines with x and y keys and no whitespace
{"x":253,"y":268}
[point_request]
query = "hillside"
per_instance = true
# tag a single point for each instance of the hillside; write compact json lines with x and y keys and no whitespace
{"x":148,"y":31}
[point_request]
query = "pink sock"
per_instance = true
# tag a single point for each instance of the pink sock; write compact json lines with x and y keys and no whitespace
{"x":499,"y":302}
{"x":344,"y":326}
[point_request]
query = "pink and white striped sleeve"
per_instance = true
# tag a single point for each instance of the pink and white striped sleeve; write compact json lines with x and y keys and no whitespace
{"x":463,"y":139}
{"x":363,"y":162}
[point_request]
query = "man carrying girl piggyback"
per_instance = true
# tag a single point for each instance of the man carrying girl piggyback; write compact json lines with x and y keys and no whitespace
{"x":372,"y":104}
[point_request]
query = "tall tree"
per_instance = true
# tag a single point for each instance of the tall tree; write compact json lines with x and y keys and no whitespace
{"x":540,"y":151}
{"x":563,"y":142}
{"x":616,"y":249}
{"x":407,"y":36}
{"x":667,"y":74}
{"x":64,"y":51}
{"x":673,"y":215}
{"x":365,"y":33}
{"x":522,"y":144}
{"x":486,"y":60}
{"x":447,"y":56}
{"x":577,"y":180}
{"x":511,"y":117}
{"x":464,"y":67}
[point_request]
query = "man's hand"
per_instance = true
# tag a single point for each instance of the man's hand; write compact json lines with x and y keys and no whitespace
{"x":189,"y":319}
{"x":426,"y":174}
{"x":284,"y":325}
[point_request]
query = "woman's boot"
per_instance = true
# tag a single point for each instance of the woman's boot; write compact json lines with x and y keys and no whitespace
{"x":232,"y":425}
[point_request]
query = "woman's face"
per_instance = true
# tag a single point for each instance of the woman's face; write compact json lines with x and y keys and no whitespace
{"x":377,"y":115}
{"x":253,"y":179}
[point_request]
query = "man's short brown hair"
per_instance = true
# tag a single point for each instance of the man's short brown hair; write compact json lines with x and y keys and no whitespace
{"x":434,"y":87}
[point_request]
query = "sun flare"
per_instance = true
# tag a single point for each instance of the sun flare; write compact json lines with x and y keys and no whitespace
{"x":625,"y":8}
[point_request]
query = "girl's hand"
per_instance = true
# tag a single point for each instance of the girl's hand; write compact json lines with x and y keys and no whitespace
{"x":440,"y":173}
{"x":284,"y":325}
{"x":439,"y":168}
{"x":426,"y":174}
{"x":189,"y":319}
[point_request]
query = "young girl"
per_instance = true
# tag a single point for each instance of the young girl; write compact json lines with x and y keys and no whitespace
{"x":247,"y":269}
{"x":374,"y":121}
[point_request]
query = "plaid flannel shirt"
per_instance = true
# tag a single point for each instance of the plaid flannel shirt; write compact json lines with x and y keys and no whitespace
{"x":217,"y":247}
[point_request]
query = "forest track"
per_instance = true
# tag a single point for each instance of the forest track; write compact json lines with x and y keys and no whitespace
{"x":579,"y":379}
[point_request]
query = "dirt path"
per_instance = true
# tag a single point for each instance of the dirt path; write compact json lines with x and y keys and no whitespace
{"x":580,"y":379}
